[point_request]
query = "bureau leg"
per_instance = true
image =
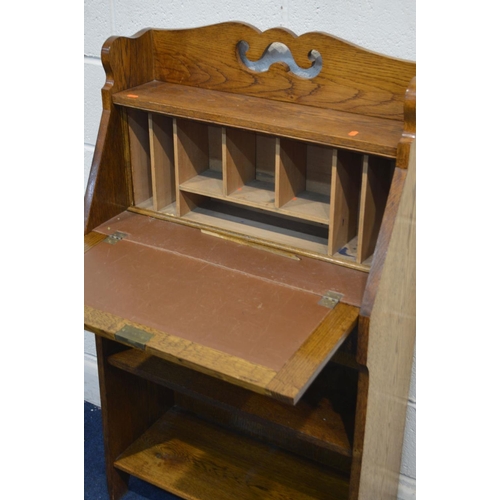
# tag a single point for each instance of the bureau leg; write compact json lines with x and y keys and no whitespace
{"x":129,"y":406}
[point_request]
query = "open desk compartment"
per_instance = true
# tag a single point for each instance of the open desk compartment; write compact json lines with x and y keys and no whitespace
{"x":215,"y":433}
{"x":293,"y":194}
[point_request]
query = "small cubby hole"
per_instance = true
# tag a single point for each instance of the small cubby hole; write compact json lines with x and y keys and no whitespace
{"x":199,"y":157}
{"x":360,"y":189}
{"x":304,"y":177}
{"x":375,"y":186}
{"x":250,"y":168}
{"x":152,"y":161}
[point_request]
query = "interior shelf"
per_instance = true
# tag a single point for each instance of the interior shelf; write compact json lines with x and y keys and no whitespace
{"x":324,"y":417}
{"x":256,"y":193}
{"x":323,"y":126}
{"x":208,"y":183}
{"x":258,"y":224}
{"x":196,"y":459}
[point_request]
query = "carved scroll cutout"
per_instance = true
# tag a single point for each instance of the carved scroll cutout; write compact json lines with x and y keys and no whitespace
{"x":279,"y":52}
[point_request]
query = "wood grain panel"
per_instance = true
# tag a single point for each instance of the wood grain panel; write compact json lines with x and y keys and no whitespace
{"x":391,"y":341}
{"x":109,"y":187}
{"x":108,"y":190}
{"x":285,"y":119}
{"x":128,"y":62}
{"x":352,"y":79}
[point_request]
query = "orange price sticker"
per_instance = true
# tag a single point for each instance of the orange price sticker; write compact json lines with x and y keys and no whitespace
{"x":133,"y":96}
{"x":352,"y":133}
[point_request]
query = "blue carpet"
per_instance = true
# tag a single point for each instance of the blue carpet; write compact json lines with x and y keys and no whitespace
{"x":95,"y":470}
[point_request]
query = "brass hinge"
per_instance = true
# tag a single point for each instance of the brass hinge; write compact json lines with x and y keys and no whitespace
{"x":134,"y":337}
{"x":330,"y":299}
{"x":114,"y":238}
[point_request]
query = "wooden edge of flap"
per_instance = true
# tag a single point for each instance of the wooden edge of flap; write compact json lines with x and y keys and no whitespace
{"x":288,"y":385}
{"x":301,"y":369}
{"x":179,"y":351}
{"x":91,"y":239}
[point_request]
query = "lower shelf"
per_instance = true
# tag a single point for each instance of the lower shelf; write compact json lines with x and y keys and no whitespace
{"x":198,"y":460}
{"x":321,"y":424}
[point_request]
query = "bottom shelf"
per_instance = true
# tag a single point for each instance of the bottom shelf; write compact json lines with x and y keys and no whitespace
{"x":320,"y":426}
{"x":198,"y":460}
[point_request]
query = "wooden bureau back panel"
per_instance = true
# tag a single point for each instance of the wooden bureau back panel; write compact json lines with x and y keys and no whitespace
{"x":352,"y":79}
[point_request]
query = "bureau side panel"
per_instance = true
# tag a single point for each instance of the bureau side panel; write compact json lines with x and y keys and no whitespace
{"x":390,"y":348}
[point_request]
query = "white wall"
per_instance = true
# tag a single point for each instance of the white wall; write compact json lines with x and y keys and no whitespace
{"x":385,"y":26}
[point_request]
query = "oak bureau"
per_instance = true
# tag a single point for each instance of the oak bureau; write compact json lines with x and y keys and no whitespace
{"x":250,"y":263}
